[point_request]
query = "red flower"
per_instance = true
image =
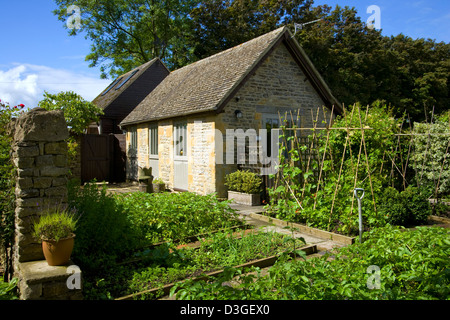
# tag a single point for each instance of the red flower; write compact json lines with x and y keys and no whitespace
{"x":15,"y":107}
{"x":21,"y":105}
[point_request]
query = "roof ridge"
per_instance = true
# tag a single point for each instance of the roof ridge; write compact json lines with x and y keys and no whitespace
{"x":247,"y":43}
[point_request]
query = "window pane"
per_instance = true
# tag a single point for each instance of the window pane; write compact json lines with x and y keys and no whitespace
{"x":153,"y":140}
{"x":180,"y":139}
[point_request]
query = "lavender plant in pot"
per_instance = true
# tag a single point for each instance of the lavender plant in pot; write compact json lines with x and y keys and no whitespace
{"x":55,"y":229}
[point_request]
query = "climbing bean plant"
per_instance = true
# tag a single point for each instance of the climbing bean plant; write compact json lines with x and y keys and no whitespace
{"x":316,"y":178}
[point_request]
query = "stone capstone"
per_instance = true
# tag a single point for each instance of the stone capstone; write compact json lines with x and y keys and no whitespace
{"x":37,"y":125}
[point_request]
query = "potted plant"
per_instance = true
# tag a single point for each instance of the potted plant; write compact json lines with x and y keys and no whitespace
{"x":244,"y":187}
{"x":55,"y":229}
{"x":158,"y":185}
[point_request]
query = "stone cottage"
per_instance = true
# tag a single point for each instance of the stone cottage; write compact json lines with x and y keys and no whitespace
{"x":180,"y":128}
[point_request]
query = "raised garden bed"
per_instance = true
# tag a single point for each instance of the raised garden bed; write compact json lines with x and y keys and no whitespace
{"x":322,"y":234}
{"x":159,"y":269}
{"x":261,"y":263}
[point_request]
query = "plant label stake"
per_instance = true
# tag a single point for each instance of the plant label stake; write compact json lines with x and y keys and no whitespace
{"x":359,"y":211}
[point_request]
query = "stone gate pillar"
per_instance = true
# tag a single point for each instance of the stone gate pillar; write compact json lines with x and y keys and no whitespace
{"x":40,"y":157}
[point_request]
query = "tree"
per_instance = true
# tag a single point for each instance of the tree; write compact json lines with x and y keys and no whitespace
{"x":422,"y":72}
{"x":126,"y":34}
{"x":78,"y":112}
{"x":219,"y":25}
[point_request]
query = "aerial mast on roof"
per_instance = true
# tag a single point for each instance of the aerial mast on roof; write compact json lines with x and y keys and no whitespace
{"x":299,"y":26}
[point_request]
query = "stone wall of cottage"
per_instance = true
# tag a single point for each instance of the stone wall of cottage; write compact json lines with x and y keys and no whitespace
{"x":201,"y":155}
{"x":165,"y":152}
{"x":278,"y":86}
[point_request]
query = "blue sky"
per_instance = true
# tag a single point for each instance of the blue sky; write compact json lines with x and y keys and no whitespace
{"x":37,"y":54}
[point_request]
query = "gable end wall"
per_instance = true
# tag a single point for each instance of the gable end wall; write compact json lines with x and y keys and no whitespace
{"x":278,"y":85}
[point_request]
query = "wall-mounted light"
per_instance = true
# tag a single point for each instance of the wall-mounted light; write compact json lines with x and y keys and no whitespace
{"x":238,"y":114}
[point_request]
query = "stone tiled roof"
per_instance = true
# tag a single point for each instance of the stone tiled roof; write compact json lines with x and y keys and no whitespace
{"x":103,"y":101}
{"x":206,"y":84}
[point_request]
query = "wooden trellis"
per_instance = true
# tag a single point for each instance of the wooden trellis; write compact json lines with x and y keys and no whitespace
{"x":305,"y":141}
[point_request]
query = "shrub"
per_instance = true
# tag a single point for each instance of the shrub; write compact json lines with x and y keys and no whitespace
{"x":243,"y":181}
{"x":7,"y":177}
{"x":104,"y":232}
{"x":409,"y":207}
{"x":430,"y":158}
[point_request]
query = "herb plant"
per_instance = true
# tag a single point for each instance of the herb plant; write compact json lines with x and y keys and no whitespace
{"x":54,"y":225}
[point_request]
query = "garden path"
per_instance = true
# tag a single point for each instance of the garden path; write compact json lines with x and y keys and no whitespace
{"x":323,"y":245}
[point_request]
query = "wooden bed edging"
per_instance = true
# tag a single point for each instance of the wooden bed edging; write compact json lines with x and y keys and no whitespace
{"x":305,"y":229}
{"x":262,"y":263}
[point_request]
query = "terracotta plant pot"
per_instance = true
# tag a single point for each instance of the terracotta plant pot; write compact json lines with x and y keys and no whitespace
{"x":57,"y":253}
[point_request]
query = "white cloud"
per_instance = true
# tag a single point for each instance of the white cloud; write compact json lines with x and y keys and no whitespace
{"x":26,"y":83}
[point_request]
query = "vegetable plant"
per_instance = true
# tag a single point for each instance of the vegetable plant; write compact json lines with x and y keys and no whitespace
{"x":412,"y":264}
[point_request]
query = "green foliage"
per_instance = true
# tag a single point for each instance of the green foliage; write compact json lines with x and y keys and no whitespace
{"x":126,"y":34}
{"x":104,"y":231}
{"x":78,"y":112}
{"x":55,"y":224}
{"x":7,"y":173}
{"x":350,"y":161}
{"x":8,"y":290}
{"x":158,"y":181}
{"x":166,"y":263}
{"x":431,"y":156}
{"x":413,"y":265}
{"x":172,"y":216}
{"x":405,"y":208}
{"x":243,"y":181}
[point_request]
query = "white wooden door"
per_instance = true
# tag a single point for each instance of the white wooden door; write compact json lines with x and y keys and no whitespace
{"x":180,"y":166}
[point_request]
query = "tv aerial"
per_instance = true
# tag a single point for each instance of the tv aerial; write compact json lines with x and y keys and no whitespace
{"x":299,"y":26}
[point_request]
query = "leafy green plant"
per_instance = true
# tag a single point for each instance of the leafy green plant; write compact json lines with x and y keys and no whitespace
{"x":413,"y":264}
{"x":7,"y":175}
{"x":430,"y":158}
{"x":104,"y":231}
{"x":172,"y":216}
{"x":342,"y":160}
{"x":405,"y":208}
{"x":243,"y":181}
{"x":158,"y":181}
{"x":8,"y":290}
{"x":54,"y":224}
{"x":78,"y":112}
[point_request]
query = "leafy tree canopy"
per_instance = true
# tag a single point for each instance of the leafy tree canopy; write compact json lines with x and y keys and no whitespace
{"x":128,"y":33}
{"x":78,"y":112}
